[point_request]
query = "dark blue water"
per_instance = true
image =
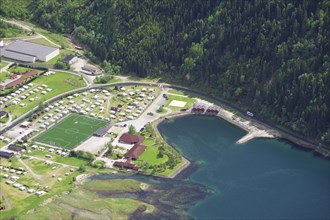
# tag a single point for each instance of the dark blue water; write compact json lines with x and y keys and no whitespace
{"x":262,"y":179}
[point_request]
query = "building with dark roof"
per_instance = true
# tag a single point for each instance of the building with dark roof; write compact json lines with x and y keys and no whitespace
{"x":212,"y":110}
{"x":102,"y":131}
{"x":13,"y":76}
{"x":126,"y":165}
{"x":198,"y":109}
{"x":6,"y":154}
{"x":114,"y":109}
{"x":135,"y":152}
{"x":28,"y":52}
{"x":70,"y":59}
{"x":128,"y":138}
{"x":3,"y":114}
{"x":89,"y":70}
{"x":16,"y":148}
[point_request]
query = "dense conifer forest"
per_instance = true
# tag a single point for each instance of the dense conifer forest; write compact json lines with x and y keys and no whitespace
{"x":270,"y":57}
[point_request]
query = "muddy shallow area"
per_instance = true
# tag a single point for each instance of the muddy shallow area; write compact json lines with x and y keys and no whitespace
{"x":171,"y":197}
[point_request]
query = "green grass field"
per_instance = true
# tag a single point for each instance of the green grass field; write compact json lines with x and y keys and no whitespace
{"x":60,"y":82}
{"x":71,"y":131}
{"x":41,"y":41}
{"x":3,"y":64}
{"x":189,"y":102}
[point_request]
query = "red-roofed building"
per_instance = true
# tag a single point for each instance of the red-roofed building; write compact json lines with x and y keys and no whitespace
{"x":20,"y":80}
{"x":29,"y":74}
{"x":13,"y":76}
{"x":128,"y":138}
{"x":135,"y":152}
{"x":126,"y":165}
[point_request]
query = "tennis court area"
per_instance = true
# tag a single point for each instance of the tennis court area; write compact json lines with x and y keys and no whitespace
{"x":71,"y":131}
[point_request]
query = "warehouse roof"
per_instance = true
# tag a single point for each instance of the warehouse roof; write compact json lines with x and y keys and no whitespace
{"x":29,"y":48}
{"x":17,"y":56}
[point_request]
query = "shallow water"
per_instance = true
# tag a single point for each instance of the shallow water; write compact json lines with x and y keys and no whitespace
{"x":262,"y":179}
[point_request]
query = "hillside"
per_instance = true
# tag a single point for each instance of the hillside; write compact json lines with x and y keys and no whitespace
{"x":269,"y":57}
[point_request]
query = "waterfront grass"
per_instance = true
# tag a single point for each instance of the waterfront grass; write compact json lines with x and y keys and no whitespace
{"x":117,"y":185}
{"x":150,"y":155}
{"x":79,"y":203}
{"x":71,"y":131}
{"x":59,"y":83}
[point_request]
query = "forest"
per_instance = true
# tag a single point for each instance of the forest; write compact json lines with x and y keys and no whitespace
{"x":268,"y":57}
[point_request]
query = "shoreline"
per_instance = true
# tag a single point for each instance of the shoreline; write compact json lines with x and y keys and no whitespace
{"x":253,"y":129}
{"x":252,"y":132}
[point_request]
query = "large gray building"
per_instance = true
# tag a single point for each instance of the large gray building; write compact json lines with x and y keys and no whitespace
{"x":28,"y":52}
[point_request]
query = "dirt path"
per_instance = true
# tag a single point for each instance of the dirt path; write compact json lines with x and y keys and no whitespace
{"x":63,"y":164}
{"x":29,"y":169}
{"x":29,"y":28}
{"x":8,"y":204}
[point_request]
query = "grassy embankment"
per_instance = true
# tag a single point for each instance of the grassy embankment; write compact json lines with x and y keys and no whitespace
{"x":59,"y":83}
{"x":158,"y":158}
{"x":78,"y":203}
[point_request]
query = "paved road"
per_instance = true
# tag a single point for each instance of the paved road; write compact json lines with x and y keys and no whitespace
{"x":209,"y":97}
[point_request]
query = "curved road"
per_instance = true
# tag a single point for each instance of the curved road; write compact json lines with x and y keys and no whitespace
{"x":209,"y":97}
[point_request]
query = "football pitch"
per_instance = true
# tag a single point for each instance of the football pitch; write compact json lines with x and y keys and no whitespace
{"x":71,"y":131}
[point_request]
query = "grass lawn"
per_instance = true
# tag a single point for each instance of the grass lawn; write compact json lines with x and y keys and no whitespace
{"x":4,"y":76}
{"x":61,"y":56}
{"x":71,"y":131}
{"x":177,"y":92}
{"x":87,"y":205}
{"x":22,"y":201}
{"x":189,"y":102}
{"x":113,"y":80}
{"x":150,"y":156}
{"x":42,"y":41}
{"x":73,"y":161}
{"x":3,"y":64}
{"x":18,"y":69}
{"x":117,"y":185}
{"x":38,"y":166}
{"x":4,"y":120}
{"x":56,"y":38}
{"x":169,"y":171}
{"x":59,"y":83}
{"x":161,"y":110}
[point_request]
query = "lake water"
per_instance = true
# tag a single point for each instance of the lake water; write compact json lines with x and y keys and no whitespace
{"x":262,"y":179}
